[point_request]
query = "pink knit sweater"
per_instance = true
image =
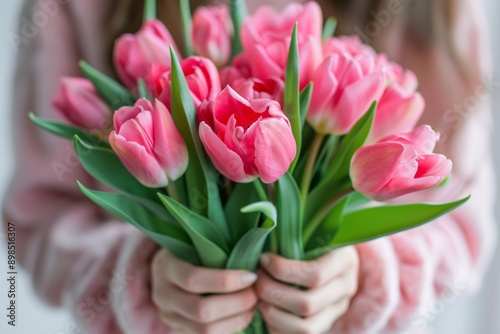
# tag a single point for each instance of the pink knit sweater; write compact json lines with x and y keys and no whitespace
{"x":98,"y":267}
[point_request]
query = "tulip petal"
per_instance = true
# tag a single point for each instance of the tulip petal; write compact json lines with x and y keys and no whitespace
{"x":372,"y":167}
{"x":138,"y":161}
{"x":396,"y":114}
{"x":169,"y":147}
{"x":226,"y":161}
{"x":356,"y":100}
{"x":275,"y":149}
{"x":434,"y":165}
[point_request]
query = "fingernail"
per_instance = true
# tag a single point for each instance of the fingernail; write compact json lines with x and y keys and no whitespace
{"x":249,"y":278}
{"x":264,"y":259}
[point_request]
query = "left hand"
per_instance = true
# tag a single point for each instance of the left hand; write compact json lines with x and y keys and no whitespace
{"x":332,"y":281}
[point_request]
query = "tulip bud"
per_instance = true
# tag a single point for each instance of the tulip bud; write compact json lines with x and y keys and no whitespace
{"x":135,"y":54}
{"x":202,"y":78}
{"x":398,"y":165}
{"x":249,"y":139}
{"x":344,"y":89}
{"x":272,"y":88}
{"x":78,"y":100}
{"x":265,"y":36}
{"x":400,"y":106}
{"x":148,"y":143}
{"x":212,"y":30}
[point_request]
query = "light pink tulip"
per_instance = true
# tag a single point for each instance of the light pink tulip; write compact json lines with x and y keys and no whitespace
{"x":249,"y":139}
{"x":211,"y":32}
{"x":135,"y":54}
{"x":148,"y":143}
{"x":398,"y":165}
{"x":79,"y":102}
{"x":400,"y":107}
{"x":272,"y":88}
{"x":351,"y":45}
{"x":202,"y":78}
{"x":344,"y":89}
{"x":266,"y":38}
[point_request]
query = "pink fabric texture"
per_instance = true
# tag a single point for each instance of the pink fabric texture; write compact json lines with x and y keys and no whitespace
{"x":98,"y":267}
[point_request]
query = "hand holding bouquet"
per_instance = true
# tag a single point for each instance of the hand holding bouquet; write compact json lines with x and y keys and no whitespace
{"x":270,"y":135}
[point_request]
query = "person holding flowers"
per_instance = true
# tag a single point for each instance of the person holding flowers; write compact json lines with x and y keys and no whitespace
{"x":115,"y":279}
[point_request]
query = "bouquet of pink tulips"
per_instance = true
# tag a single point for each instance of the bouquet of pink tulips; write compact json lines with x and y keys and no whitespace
{"x":269,"y":135}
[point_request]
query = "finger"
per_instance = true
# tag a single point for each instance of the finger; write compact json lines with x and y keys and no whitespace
{"x":228,"y":325}
{"x":284,"y":322}
{"x":305,"y":303}
{"x":171,"y":299}
{"x":310,"y":273}
{"x":201,"y":280}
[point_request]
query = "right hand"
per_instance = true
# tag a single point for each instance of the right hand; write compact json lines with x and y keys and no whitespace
{"x":177,"y":287}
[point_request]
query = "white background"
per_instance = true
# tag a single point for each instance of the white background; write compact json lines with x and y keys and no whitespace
{"x":478,"y":314}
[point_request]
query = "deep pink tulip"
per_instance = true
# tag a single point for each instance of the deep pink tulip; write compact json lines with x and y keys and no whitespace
{"x":202,"y":78}
{"x":400,"y":106}
{"x":237,"y":72}
{"x":148,"y":143}
{"x":249,"y":139}
{"x":135,"y":54}
{"x":211,"y":32}
{"x":253,"y":88}
{"x":266,"y":38}
{"x":79,"y":102}
{"x":398,"y":165}
{"x":344,"y":89}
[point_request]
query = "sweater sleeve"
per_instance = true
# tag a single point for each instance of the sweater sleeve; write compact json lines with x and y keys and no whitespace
{"x":79,"y":258}
{"x":406,"y":279}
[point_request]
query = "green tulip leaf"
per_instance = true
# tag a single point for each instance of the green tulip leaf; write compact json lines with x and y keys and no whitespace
{"x":243,"y":194}
{"x":329,"y":27}
{"x":239,"y":12}
{"x":208,"y":239}
{"x":164,"y":232}
{"x":305,"y":100}
{"x":111,"y":91}
{"x":203,"y":191}
{"x":186,"y":26}
{"x":247,"y":251}
{"x":289,"y":229}
{"x":103,"y":164}
{"x":144,"y":91}
{"x":67,"y":131}
{"x":376,"y":222}
{"x":292,"y":94}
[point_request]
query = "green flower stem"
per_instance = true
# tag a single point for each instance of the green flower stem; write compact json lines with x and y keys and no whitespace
{"x":308,"y":172}
{"x":260,"y":190}
{"x":313,"y":224}
{"x":172,"y":191}
{"x":149,"y":10}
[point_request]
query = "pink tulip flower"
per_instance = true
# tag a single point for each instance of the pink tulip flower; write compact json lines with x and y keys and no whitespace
{"x":79,"y":102}
{"x":135,"y":54}
{"x":266,"y":38}
{"x":249,"y":139}
{"x":400,"y":106}
{"x":202,"y":78}
{"x":272,"y":88}
{"x":237,"y":72}
{"x":398,"y":165}
{"x":211,"y":32}
{"x":350,"y":45}
{"x":344,"y":89}
{"x":148,"y":143}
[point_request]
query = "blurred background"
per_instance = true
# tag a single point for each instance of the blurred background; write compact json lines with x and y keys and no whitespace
{"x":475,"y":314}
